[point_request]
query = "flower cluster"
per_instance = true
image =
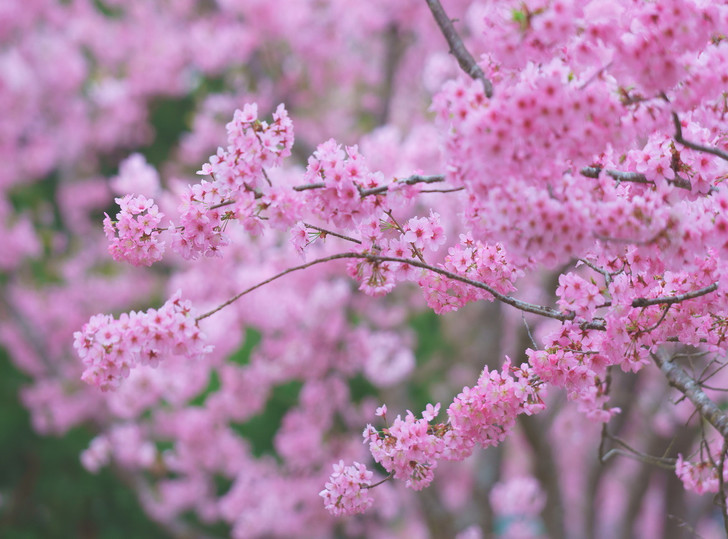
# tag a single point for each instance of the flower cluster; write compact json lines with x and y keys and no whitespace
{"x":578,"y":295}
{"x":253,"y":145}
{"x":134,"y":236}
{"x":347,"y":490}
{"x":424,"y":233}
{"x":410,"y":448}
{"x":486,"y":413}
{"x":488,"y":264}
{"x":345,"y":174}
{"x":698,"y":477}
{"x":572,"y":359}
{"x":110,"y":348}
{"x":543,"y":119}
{"x":238,"y":179}
{"x":659,"y":34}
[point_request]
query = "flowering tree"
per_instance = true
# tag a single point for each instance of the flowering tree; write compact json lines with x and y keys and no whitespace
{"x":553,"y":170}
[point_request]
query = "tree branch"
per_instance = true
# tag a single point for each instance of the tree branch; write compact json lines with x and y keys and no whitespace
{"x":693,"y":145}
{"x":632,"y":177}
{"x":669,"y":300}
{"x":324,"y":232}
{"x":684,"y":383}
{"x":410,"y":180}
{"x":306,"y":187}
{"x":509,"y":300}
{"x":457,"y":49}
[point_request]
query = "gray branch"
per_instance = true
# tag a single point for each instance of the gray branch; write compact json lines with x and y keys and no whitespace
{"x":684,"y":383}
{"x":458,"y":50}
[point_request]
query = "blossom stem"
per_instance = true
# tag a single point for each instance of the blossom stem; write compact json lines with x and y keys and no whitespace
{"x":509,"y":300}
{"x":457,"y":48}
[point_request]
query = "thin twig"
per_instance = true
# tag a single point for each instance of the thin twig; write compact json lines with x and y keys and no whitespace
{"x":220,"y":205}
{"x":634,"y":454}
{"x":693,"y":145}
{"x":662,"y":318}
{"x":326,"y":232}
{"x":689,"y":387}
{"x":662,"y":462}
{"x":632,"y":177}
{"x":509,"y":300}
{"x":528,"y":330}
{"x":390,"y":476}
{"x":410,"y":180}
{"x":457,"y":49}
{"x":453,"y":190}
{"x":702,"y":380}
{"x":607,"y":276}
{"x":721,"y":487}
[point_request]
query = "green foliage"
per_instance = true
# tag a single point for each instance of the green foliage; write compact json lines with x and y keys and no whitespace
{"x":261,"y":429}
{"x":170,"y":118}
{"x":360,"y":387}
{"x":430,"y":344}
{"x":242,"y":355}
{"x":45,"y":491}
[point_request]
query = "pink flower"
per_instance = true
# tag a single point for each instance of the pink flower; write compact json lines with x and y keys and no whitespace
{"x":347,"y":491}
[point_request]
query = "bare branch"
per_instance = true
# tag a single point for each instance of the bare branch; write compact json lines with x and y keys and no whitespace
{"x":607,"y":276}
{"x":721,"y":486}
{"x":390,"y":476}
{"x":681,"y":381}
{"x":632,"y":177}
{"x":458,"y":50}
{"x":669,"y":300}
{"x":662,"y":319}
{"x":693,"y":145}
{"x":453,"y":190}
{"x":306,"y":187}
{"x":630,"y":452}
{"x":509,"y":300}
{"x":410,"y":180}
{"x":325,"y":232}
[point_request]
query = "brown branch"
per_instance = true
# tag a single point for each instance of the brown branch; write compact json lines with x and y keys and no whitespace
{"x":633,"y":177}
{"x":324,"y":232}
{"x":306,"y":187}
{"x":453,"y":190}
{"x":669,"y":300}
{"x":662,"y":319}
{"x":373,"y":485}
{"x":684,"y":383}
{"x":508,"y":300}
{"x":665,"y":463}
{"x":457,"y":49}
{"x":694,"y":145}
{"x":410,"y":180}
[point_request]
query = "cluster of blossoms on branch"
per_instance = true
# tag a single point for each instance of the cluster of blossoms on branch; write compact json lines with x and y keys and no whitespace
{"x":409,"y":449}
{"x":576,"y":175}
{"x":110,"y":348}
{"x":134,"y":235}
